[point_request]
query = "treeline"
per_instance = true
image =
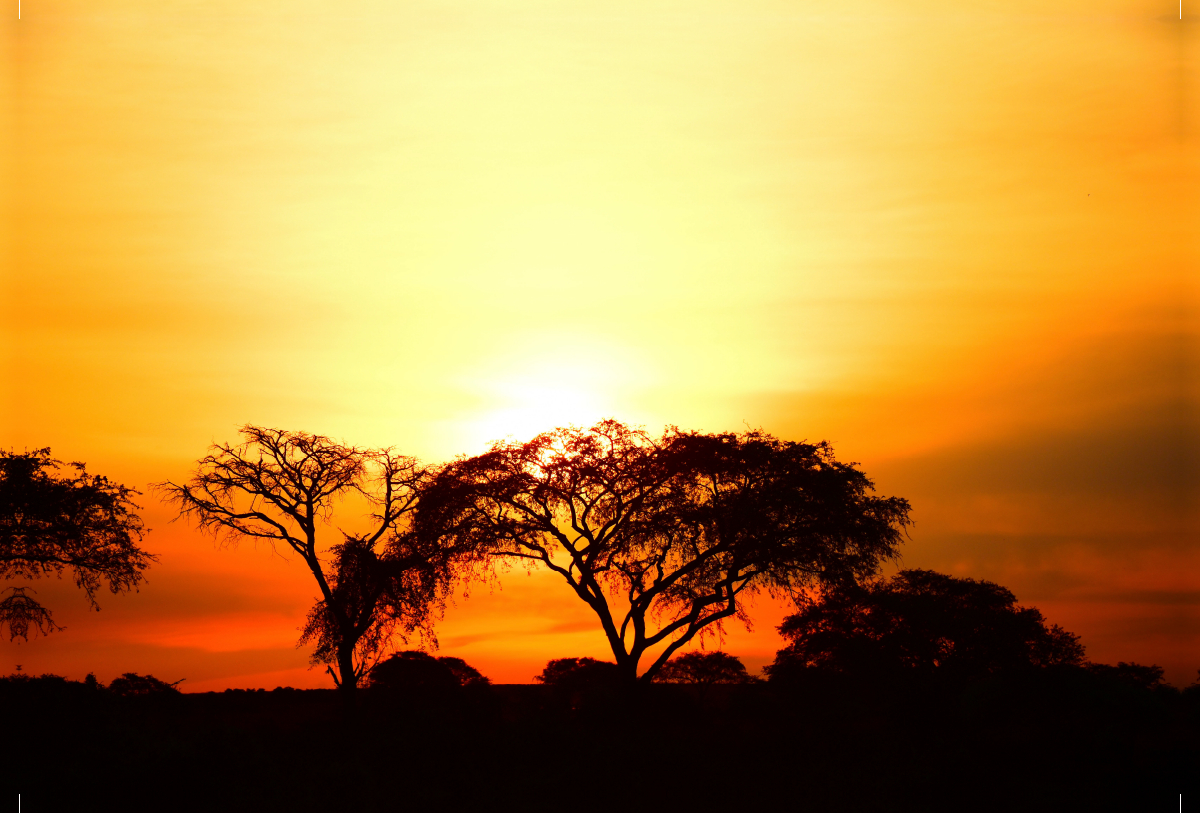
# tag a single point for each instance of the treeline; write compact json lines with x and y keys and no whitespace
{"x":909,"y":693}
{"x":430,"y":736}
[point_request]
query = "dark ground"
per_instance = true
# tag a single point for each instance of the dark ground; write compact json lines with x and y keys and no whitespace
{"x":1045,"y":741}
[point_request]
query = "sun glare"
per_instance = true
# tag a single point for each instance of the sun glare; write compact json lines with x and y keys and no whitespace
{"x":534,"y":409}
{"x":533,"y":389}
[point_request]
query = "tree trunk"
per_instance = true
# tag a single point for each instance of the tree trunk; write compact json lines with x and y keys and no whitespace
{"x":348,"y":686}
{"x":629,"y":670}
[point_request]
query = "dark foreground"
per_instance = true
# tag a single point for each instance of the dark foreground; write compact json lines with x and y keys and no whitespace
{"x":1045,"y":741}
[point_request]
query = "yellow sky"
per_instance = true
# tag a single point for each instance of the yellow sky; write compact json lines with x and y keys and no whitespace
{"x":957,"y":239}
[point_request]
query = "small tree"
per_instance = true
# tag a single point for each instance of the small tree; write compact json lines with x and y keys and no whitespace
{"x":569,"y":671}
{"x":280,"y":487}
{"x":418,"y":670}
{"x":51,"y":523}
{"x":921,"y":623}
{"x":704,"y":669}
{"x":131,"y":684}
{"x":674,"y":532}
{"x":1136,"y":675}
{"x":465,"y":673}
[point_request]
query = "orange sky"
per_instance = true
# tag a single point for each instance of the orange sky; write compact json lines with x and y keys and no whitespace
{"x":956,"y":239}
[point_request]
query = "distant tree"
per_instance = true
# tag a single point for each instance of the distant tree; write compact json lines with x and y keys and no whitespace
{"x":409,"y":670}
{"x":664,"y":539}
{"x":54,"y":523}
{"x":575,"y":673}
{"x":704,"y":669}
{"x":132,"y":684}
{"x":1131,"y":674}
{"x":921,"y":622}
{"x":280,"y":487}
{"x":466,"y":674}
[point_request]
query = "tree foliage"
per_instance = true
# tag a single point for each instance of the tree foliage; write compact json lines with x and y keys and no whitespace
{"x":578,"y":673}
{"x":1136,"y":675}
{"x":665,"y":538}
{"x":20,"y":612}
{"x":54,"y":523}
{"x":465,"y":673}
{"x":132,"y":684}
{"x":921,"y":622}
{"x":704,"y":669}
{"x":414,"y":670}
{"x":377,"y":593}
{"x":281,"y":487}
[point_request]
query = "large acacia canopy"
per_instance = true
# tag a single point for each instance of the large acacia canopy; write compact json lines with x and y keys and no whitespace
{"x":664,"y":538}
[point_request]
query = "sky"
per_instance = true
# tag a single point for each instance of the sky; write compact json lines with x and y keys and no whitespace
{"x":958,"y":240}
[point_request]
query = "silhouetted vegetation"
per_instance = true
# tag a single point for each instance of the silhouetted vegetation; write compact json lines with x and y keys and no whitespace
{"x":920,"y":692}
{"x":20,"y":611}
{"x":279,"y":486}
{"x":676,"y":532}
{"x":573,"y":672}
{"x":53,"y":523}
{"x":920,"y":624}
{"x":410,"y":691}
{"x":413,"y":670}
{"x":466,"y":674}
{"x":132,"y":684}
{"x":704,"y":669}
{"x":1131,"y":674}
{"x":1042,"y":739}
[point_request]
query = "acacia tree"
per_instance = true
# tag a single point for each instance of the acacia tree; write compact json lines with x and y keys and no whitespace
{"x":281,"y":487}
{"x":81,"y":524}
{"x":665,"y":538}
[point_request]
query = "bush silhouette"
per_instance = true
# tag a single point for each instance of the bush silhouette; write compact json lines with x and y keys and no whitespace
{"x":132,"y":684}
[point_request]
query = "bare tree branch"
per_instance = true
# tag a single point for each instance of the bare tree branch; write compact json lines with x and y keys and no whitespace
{"x":279,"y":486}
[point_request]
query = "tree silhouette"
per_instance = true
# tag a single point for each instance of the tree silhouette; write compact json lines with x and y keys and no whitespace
{"x":703,"y":669}
{"x":405,"y":671}
{"x":675,"y":532}
{"x":51,"y":523}
{"x":921,"y":622}
{"x":465,"y":673}
{"x":1136,"y":675}
{"x":131,"y":684}
{"x":21,"y":611}
{"x":280,"y":486}
{"x":577,"y":672}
